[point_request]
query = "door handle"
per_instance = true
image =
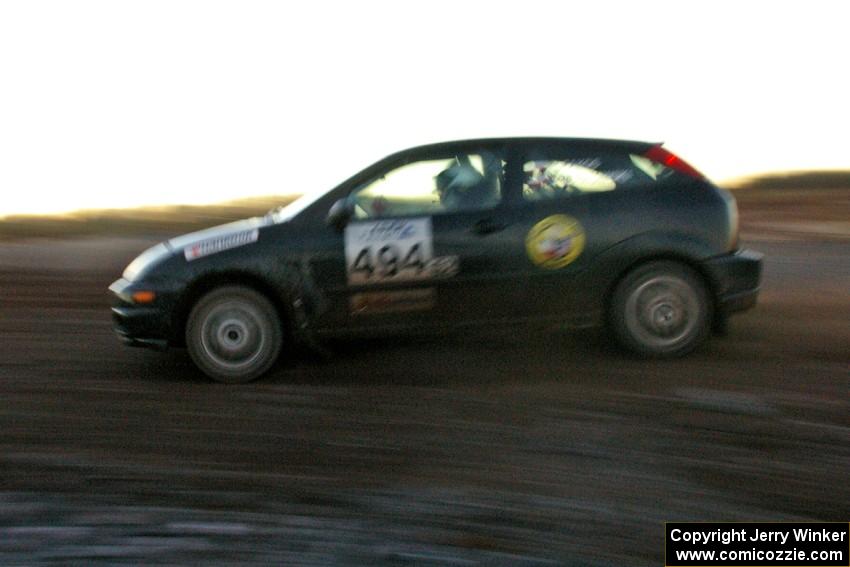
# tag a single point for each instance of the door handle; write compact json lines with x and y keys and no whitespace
{"x":487,"y":226}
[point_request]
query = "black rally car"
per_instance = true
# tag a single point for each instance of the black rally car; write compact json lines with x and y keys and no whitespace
{"x":570,"y":231}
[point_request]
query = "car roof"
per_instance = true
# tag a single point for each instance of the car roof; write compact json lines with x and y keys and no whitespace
{"x":632,"y":145}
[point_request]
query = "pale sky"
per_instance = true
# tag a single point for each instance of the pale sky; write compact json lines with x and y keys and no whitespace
{"x":111,"y":103}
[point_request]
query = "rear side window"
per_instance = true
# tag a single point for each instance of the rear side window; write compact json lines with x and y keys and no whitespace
{"x":558,"y":175}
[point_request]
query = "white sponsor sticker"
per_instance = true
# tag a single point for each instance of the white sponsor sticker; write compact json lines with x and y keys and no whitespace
{"x":220,"y":244}
{"x":443,"y":266}
{"x":388,"y":250}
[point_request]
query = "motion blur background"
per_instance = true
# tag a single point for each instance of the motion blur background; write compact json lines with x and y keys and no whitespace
{"x":125,"y":123}
{"x":115,"y":104}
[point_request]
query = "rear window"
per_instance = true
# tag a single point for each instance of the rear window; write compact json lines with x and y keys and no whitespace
{"x":555,"y":176}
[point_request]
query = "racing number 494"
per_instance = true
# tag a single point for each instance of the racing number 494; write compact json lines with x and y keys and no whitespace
{"x":387,"y":261}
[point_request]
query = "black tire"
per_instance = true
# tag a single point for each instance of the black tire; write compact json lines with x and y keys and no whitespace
{"x":234,"y":334}
{"x":661,"y":309}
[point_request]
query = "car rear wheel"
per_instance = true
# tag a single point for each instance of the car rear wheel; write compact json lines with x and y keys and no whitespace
{"x":661,"y":309}
{"x":234,"y":334}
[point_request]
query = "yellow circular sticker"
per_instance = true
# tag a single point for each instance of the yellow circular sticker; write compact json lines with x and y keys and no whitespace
{"x":555,"y":241}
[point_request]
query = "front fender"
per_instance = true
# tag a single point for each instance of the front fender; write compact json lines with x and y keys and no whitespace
{"x":284,"y":285}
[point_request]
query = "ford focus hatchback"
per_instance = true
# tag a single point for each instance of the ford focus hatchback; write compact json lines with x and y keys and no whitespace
{"x":579,"y":232}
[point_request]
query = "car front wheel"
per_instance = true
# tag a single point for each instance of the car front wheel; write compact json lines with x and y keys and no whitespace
{"x":661,"y":309}
{"x":234,"y":334}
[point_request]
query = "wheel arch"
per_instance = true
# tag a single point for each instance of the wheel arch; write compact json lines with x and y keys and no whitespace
{"x":661,"y":256}
{"x":615,"y":263}
{"x":210,"y":281}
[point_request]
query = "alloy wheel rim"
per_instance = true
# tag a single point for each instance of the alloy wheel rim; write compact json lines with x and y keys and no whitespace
{"x":232,"y":334}
{"x":662,"y":311}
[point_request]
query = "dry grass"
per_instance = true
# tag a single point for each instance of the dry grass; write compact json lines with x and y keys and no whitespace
{"x":790,"y":196}
{"x":793,"y":180}
{"x":146,"y":220}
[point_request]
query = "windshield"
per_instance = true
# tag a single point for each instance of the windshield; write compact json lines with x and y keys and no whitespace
{"x":283,"y":214}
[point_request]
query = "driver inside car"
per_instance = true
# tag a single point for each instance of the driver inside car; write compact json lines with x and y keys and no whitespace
{"x":462,"y":187}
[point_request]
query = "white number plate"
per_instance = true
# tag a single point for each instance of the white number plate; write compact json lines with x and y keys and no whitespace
{"x":388,"y":250}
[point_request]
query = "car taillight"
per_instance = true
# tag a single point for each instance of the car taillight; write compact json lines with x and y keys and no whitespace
{"x":671,"y":160}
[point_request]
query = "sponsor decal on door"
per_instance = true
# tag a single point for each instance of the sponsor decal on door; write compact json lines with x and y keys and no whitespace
{"x":555,"y":241}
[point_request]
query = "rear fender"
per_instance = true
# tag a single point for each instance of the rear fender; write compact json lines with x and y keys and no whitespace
{"x":610,"y":266}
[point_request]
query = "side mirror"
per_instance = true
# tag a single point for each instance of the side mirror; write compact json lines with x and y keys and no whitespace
{"x":340,"y":213}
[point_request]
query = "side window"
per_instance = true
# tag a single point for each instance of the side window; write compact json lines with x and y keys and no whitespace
{"x":548,"y":178}
{"x":650,"y":169}
{"x":551,"y":179}
{"x":455,"y":183}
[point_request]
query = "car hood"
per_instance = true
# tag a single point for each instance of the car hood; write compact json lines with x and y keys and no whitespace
{"x":218,"y":232}
{"x":197,"y":245}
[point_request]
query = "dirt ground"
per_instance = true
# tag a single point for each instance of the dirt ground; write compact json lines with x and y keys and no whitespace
{"x":505,"y":448}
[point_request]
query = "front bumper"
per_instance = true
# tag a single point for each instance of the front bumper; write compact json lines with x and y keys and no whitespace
{"x":736,"y":279}
{"x":140,"y":325}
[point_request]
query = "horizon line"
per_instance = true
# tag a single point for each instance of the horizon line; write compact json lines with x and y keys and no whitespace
{"x":263,"y":199}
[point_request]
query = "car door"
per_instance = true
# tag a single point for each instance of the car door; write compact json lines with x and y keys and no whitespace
{"x":425,"y":244}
